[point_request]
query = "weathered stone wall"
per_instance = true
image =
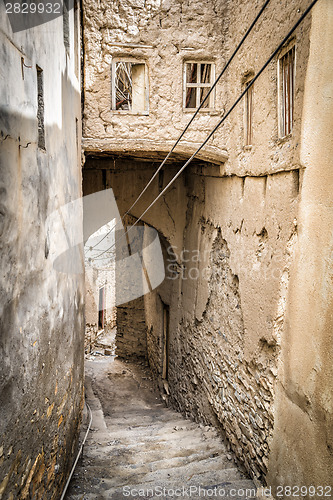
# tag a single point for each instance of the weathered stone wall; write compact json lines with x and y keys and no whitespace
{"x":41,"y":311}
{"x":131,"y":336}
{"x":233,"y":288}
{"x":163,"y":34}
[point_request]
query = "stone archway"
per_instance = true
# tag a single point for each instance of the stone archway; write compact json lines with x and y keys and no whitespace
{"x":127,"y":177}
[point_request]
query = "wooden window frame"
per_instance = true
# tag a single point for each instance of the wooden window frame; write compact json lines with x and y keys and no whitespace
{"x":248,"y":112}
{"x":286,"y":93}
{"x":199,"y":86}
{"x":113,"y":87}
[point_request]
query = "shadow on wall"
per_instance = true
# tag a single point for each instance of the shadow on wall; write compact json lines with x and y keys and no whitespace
{"x":41,"y":310}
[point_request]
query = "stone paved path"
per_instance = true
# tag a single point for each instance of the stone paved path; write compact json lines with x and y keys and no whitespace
{"x":138,"y":448}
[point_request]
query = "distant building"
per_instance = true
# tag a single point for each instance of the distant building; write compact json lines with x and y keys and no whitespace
{"x":100,"y":285}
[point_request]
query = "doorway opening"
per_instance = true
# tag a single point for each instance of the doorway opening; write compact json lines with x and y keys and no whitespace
{"x":101,"y":308}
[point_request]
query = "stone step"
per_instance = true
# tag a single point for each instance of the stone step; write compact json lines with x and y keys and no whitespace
{"x":154,"y":433}
{"x":168,"y":418}
{"x":186,"y":469}
{"x":195,"y":460}
{"x":137,"y":443}
{"x":164,"y":448}
{"x":163,"y":438}
{"x":192,"y":463}
{"x":121,"y":476}
{"x":226,"y":485}
{"x":132,"y":454}
{"x":138,"y":420}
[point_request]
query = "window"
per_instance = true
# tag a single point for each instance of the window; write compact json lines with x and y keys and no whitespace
{"x":198,"y":79}
{"x":130,"y":87}
{"x":77,"y":141}
{"x":248,"y":113}
{"x":40,"y":108}
{"x":286,"y":92}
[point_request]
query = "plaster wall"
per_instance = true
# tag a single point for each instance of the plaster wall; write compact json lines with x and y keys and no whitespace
{"x":269,"y":152}
{"x":41,"y":306}
{"x":234,"y":280}
{"x":302,"y":445}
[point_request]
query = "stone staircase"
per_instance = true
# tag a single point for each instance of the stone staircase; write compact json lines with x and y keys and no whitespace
{"x":138,"y":448}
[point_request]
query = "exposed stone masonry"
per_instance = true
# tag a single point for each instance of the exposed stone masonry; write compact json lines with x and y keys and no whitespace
{"x":131,"y":337}
{"x":240,"y":393}
{"x":232,"y":260}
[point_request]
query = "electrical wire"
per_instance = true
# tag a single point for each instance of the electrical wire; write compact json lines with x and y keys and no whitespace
{"x":78,"y":455}
{"x":192,"y":118}
{"x":285,"y":39}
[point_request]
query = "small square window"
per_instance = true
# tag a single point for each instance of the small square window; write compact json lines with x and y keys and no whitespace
{"x":198,"y":80}
{"x":286,"y":92}
{"x":129,"y":87}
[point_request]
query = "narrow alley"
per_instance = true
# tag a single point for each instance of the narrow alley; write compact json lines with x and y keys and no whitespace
{"x":166,"y":249}
{"x":138,"y":447}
